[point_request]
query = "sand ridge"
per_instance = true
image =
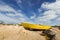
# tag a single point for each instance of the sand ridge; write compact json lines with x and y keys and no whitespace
{"x":15,"y":32}
{"x":18,"y":33}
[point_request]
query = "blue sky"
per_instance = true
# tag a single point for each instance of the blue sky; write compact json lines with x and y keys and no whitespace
{"x":46,"y":12}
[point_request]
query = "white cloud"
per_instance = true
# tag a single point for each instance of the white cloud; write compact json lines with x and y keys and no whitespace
{"x":57,"y":0}
{"x":52,"y":6}
{"x":6,"y":19}
{"x":48,"y":15}
{"x":22,"y":19}
{"x":32,"y":17}
{"x":6,"y":8}
{"x":16,"y":13}
{"x":11,"y":12}
{"x":53,"y":12}
{"x":58,"y":19}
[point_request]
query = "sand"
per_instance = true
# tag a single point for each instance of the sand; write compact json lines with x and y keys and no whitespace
{"x":12,"y":32}
{"x":15,"y":32}
{"x":57,"y":32}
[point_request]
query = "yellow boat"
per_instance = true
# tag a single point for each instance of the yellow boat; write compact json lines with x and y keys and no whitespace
{"x":35,"y":26}
{"x":45,"y":29}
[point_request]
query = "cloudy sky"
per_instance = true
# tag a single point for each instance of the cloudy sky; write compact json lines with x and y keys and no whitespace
{"x":45,"y":12}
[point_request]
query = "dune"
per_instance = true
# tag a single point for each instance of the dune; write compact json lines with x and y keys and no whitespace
{"x":15,"y":32}
{"x":12,"y":32}
{"x":57,"y":33}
